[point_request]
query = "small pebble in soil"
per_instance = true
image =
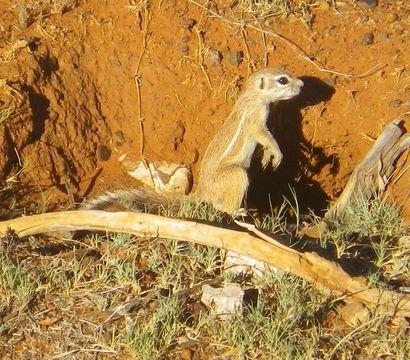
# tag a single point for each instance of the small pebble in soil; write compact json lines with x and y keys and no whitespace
{"x":363,"y":19}
{"x":188,"y":23}
{"x":367,"y":39}
{"x":103,"y":152}
{"x":184,"y":49}
{"x":178,"y":131}
{"x":182,"y":12}
{"x":324,"y":5}
{"x":119,"y":137}
{"x":404,"y":242}
{"x":399,"y":31}
{"x":383,"y":37}
{"x":24,"y":19}
{"x":186,"y":353}
{"x":213,"y":57}
{"x":185,"y":39}
{"x":368,"y":3}
{"x":194,"y":156}
{"x":116,"y":61}
{"x":396,"y":103}
{"x":391,"y":17}
{"x":250,"y":41}
{"x":269,"y":22}
{"x":235,"y":57}
{"x":331,"y":81}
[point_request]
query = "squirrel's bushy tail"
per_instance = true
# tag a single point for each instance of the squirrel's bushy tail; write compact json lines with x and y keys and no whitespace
{"x":139,"y":199}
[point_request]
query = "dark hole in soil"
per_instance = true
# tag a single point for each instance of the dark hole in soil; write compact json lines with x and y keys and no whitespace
{"x":48,"y":65}
{"x":39,"y":105}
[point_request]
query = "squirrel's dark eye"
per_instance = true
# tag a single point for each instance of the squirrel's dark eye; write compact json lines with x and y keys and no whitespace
{"x":283,"y":80}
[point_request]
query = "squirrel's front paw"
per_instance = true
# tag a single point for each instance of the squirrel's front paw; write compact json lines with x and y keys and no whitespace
{"x":276,"y":160}
{"x":267,"y":156}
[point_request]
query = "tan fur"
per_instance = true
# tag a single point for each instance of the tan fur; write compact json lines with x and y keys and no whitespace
{"x":223,"y":179}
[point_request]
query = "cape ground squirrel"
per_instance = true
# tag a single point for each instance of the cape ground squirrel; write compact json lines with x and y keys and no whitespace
{"x":223,"y":179}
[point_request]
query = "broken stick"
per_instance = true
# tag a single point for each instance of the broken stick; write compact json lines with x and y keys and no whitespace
{"x":373,"y":174}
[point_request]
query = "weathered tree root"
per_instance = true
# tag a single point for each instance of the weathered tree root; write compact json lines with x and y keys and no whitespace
{"x":373,"y":174}
{"x":323,"y":274}
{"x":369,"y":178}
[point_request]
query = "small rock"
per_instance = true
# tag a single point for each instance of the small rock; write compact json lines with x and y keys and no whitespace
{"x":184,"y":342}
{"x":395,"y":103}
{"x":119,"y":136}
{"x":103,"y":152}
{"x":213,"y":57}
{"x":188,"y":23}
{"x":182,"y":12}
{"x":368,"y":3}
{"x":399,"y":31}
{"x":292,"y":18}
{"x":404,"y":242}
{"x":184,"y":49}
{"x":391,"y":17}
{"x":185,"y":39}
{"x":116,"y":61}
{"x":363,"y":19}
{"x":324,"y":5}
{"x":235,"y":57}
{"x":383,"y":37}
{"x":269,"y":22}
{"x":186,"y":354}
{"x":331,"y":81}
{"x":225,"y":300}
{"x":193,"y":158}
{"x":250,"y":41}
{"x":171,"y":178}
{"x":367,"y":39}
{"x":24,"y":17}
{"x":354,"y":314}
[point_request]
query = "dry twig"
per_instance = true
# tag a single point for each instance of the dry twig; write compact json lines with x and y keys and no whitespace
{"x":137,"y":79}
{"x":200,"y":57}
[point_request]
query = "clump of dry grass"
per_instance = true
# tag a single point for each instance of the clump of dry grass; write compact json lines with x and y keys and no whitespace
{"x":370,"y":232}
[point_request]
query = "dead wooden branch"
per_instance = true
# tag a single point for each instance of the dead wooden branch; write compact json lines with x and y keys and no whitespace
{"x":323,"y":274}
{"x":373,"y":174}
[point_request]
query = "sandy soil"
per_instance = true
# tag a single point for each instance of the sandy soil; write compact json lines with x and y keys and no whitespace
{"x":69,"y":99}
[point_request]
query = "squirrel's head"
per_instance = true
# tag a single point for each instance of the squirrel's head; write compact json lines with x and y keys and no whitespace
{"x":274,"y":85}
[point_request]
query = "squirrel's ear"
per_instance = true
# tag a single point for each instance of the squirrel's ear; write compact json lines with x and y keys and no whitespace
{"x":262,"y":84}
